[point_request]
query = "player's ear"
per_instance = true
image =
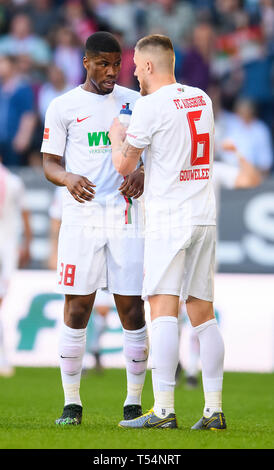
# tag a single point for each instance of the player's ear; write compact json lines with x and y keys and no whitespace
{"x":149,"y":66}
{"x":85,"y":62}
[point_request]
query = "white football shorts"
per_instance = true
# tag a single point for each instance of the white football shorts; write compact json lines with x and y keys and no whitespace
{"x":89,"y":259}
{"x":183,"y":265}
{"x":103,"y":299}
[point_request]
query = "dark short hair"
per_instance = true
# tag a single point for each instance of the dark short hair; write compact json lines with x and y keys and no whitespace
{"x":102,"y":41}
{"x":155,"y":40}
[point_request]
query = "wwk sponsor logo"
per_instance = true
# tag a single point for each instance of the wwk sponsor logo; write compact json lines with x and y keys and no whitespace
{"x":99,"y":142}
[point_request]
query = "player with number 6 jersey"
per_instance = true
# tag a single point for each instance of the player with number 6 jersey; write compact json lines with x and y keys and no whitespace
{"x":175,"y":123}
{"x":176,"y":120}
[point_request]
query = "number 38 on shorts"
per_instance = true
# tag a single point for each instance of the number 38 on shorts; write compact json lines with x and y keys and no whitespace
{"x":67,"y":274}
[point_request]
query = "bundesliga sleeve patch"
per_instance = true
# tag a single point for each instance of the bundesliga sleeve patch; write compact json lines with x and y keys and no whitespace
{"x":46,"y":133}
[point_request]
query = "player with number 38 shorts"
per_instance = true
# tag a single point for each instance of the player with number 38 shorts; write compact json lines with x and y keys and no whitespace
{"x":101,"y":240}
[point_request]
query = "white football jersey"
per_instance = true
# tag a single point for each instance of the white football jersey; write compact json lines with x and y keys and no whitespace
{"x":12,"y":201}
{"x":176,"y":125}
{"x":76,"y":127}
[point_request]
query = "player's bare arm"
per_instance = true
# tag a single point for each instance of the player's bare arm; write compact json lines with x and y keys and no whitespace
{"x":80,"y":187}
{"x":125,"y":156}
{"x":249,"y":176}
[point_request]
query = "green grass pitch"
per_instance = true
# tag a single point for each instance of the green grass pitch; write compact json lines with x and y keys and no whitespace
{"x":32,"y":399}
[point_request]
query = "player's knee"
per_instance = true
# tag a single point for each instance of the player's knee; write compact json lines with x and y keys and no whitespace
{"x":133,"y":318}
{"x":76,"y":315}
{"x":71,"y":358}
{"x":136,"y":358}
{"x":199,"y":311}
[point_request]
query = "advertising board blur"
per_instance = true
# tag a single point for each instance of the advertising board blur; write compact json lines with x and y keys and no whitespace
{"x":32,"y":315}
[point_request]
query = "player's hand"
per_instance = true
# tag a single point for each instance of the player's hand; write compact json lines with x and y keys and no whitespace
{"x":79,"y":187}
{"x":229,"y":145}
{"x":133,"y":185}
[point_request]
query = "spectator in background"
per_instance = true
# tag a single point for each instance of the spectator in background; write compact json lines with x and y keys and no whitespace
{"x":267,"y":18}
{"x":44,"y":16}
{"x":68,"y":55}
{"x":4,"y":18}
{"x":17,"y":117}
{"x":229,"y":15}
{"x":76,"y":19}
{"x":172,"y":18}
{"x":257,"y":85}
{"x":197,"y":60}
{"x":100,"y":8}
{"x":126,"y":76}
{"x":21,"y":40}
{"x":223,"y":117}
{"x":55,"y":86}
{"x":250,"y":135}
{"x":243,"y":59}
{"x":120,"y":15}
{"x":233,"y":40}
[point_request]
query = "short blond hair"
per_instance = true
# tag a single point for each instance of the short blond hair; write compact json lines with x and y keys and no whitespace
{"x":160,"y":44}
{"x":155,"y":40}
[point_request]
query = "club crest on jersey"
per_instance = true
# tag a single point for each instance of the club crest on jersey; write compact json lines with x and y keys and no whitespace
{"x":98,"y":142}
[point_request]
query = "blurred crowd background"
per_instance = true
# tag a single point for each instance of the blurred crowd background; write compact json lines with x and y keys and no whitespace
{"x":225,"y":47}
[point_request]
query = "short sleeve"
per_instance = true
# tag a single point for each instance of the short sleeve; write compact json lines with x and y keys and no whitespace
{"x":55,"y":131}
{"x":140,"y":130}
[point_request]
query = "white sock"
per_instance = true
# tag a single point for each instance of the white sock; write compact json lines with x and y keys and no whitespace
{"x":212,"y":359}
{"x":192,"y":367}
{"x":136,"y":355}
{"x":71,"y":349}
{"x":165,"y":356}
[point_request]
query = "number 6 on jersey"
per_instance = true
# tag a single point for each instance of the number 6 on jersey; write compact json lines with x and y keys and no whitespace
{"x":196,"y":139}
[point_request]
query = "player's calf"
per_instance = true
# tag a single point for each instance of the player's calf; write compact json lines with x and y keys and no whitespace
{"x":136,"y":356}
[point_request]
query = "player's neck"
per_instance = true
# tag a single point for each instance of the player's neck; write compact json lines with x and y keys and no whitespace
{"x":92,"y":88}
{"x":161,"y":81}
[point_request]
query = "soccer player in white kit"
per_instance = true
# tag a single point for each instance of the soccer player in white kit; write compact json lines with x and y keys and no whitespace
{"x":175,"y":123}
{"x":103,"y":301}
{"x":13,"y":207}
{"x":101,"y":238}
{"x":224,"y":175}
